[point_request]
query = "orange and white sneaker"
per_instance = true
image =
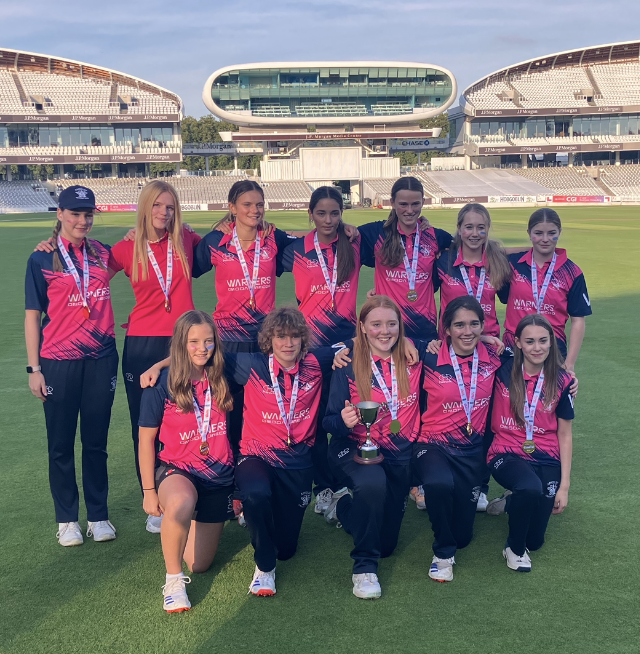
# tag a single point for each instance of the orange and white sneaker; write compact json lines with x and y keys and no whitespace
{"x":442,"y":569}
{"x":175,"y":594}
{"x":417,"y":495}
{"x":263,"y":584}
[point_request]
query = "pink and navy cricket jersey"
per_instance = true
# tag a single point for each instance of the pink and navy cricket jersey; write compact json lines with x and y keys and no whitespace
{"x":452,"y":286}
{"x":509,"y":435}
{"x":66,"y":333}
{"x":263,"y":432}
{"x":444,"y":421}
{"x":149,"y":317}
{"x":566,"y":296}
{"x":180,"y":437}
{"x":420,"y":316}
{"x":312,"y":293}
{"x":396,"y":448}
{"x":234,"y":318}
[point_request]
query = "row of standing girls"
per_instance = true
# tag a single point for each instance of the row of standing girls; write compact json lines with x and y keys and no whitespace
{"x":77,"y":353}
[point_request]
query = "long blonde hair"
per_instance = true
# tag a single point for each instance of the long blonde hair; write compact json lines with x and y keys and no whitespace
{"x":145,"y":231}
{"x":362,"y":352}
{"x":180,"y":367}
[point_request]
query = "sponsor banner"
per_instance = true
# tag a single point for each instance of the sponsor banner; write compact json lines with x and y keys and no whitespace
{"x":465,"y":200}
{"x":330,"y":136}
{"x":496,"y":199}
{"x":117,"y":207}
{"x":89,"y":158}
{"x":559,"y":111}
{"x":211,"y":149}
{"x":558,"y":149}
{"x":218,"y":206}
{"x":194,"y":207}
{"x":418,"y":144}
{"x":578,"y":199}
{"x":288,"y":205}
{"x":92,"y":118}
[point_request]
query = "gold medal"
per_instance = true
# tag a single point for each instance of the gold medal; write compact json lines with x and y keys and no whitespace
{"x":86,"y":312}
{"x":333,"y":305}
{"x":204,"y":448}
{"x":252,"y":303}
{"x":469,"y":429}
{"x":528,"y":447}
{"x":395,"y":426}
{"x":167,"y":305}
{"x":412,"y":295}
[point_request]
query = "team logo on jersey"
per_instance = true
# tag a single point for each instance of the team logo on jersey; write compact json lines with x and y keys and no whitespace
{"x":128,"y":376}
{"x":498,"y":463}
{"x":425,"y":251}
{"x":49,"y":390}
{"x":420,"y":453}
{"x":305,"y":498}
{"x":475,"y":494}
{"x":114,"y":382}
{"x":552,"y":488}
{"x":265,"y":254}
{"x":446,"y":379}
{"x":82,"y":193}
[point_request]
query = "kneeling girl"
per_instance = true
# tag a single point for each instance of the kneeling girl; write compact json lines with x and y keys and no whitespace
{"x":191,"y":483}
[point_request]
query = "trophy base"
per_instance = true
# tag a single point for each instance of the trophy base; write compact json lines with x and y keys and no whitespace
{"x":368,"y":460}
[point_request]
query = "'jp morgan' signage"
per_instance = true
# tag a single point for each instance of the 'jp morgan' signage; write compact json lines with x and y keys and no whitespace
{"x":418,"y":144}
{"x":91,"y":118}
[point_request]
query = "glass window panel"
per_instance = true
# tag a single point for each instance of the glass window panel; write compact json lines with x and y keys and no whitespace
{"x":475,"y":128}
{"x":43,"y":137}
{"x":633,"y":124}
{"x":167,"y":134}
{"x":146,"y":133}
{"x":484,"y":128}
{"x":107,"y":135}
{"x":74,"y":136}
{"x":493,"y":127}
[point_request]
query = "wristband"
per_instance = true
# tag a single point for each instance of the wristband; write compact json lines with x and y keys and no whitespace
{"x":146,"y":489}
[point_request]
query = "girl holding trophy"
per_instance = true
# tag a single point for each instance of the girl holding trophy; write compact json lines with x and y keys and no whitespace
{"x":375,"y":395}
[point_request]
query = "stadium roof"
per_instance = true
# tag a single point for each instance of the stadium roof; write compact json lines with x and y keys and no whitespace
{"x":609,"y":53}
{"x":346,"y":93}
{"x":23,"y":61}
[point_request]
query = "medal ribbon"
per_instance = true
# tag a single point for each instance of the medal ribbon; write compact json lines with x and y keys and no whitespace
{"x":72,"y":269}
{"x":166,"y":288}
{"x":539,"y":299}
{"x":331,"y":284}
{"x":412,"y":271}
{"x":286,"y":419}
{"x":391,"y":398}
{"x":203,"y":423}
{"x":469,"y":403}
{"x":530,"y":409}
{"x":467,"y":283}
{"x":251,"y":283}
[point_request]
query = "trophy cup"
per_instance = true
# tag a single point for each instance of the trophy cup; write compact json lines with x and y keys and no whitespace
{"x":369,"y":452}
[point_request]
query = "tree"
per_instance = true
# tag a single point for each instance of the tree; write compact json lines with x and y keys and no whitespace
{"x":441,"y":120}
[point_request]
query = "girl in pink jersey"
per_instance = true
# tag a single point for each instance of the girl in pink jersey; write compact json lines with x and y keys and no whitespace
{"x":532,"y":444}
{"x":190,"y":482}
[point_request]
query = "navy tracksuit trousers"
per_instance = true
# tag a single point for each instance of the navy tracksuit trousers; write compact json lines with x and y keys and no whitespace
{"x":534,"y":488}
{"x":451,"y":489}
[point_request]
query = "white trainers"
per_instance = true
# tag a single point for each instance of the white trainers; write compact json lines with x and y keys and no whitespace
{"x":366,"y":585}
{"x":154,"y":524}
{"x":323,"y":499}
{"x":442,"y":569}
{"x":263,"y":584}
{"x":331,"y":513}
{"x":483,"y":501}
{"x":417,"y":495}
{"x":101,"y":531}
{"x":69,"y":534}
{"x":515,"y":562}
{"x":175,"y":595}
{"x":498,"y":505}
{"x":241,"y":520}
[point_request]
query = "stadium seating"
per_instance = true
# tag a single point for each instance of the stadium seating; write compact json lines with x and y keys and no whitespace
{"x":618,"y":83}
{"x":562,"y":180}
{"x":431,"y":186}
{"x":312,"y":109}
{"x":624,"y":181}
{"x":24,"y":197}
{"x":379,"y":190}
{"x":286,"y":191}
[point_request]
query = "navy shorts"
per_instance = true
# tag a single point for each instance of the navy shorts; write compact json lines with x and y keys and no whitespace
{"x":215,"y":503}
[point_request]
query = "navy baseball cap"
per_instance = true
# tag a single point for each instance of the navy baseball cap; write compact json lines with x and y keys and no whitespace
{"x":77,"y":197}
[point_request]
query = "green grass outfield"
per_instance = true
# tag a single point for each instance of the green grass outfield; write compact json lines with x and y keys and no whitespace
{"x":582,"y":595}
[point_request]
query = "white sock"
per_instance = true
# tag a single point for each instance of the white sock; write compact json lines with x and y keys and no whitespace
{"x":173,"y":577}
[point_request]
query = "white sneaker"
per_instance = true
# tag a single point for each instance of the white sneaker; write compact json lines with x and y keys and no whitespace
{"x":498,"y":505}
{"x":442,"y":569}
{"x":263,"y":584}
{"x":101,"y":531}
{"x":515,"y":562}
{"x":331,"y":513}
{"x":241,"y":520}
{"x":366,"y":585}
{"x":69,"y":534}
{"x":323,"y":499}
{"x":175,"y":595}
{"x":154,"y":524}
{"x":417,"y":495}
{"x":483,"y":501}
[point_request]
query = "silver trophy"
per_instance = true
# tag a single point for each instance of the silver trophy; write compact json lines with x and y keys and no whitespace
{"x":369,"y":452}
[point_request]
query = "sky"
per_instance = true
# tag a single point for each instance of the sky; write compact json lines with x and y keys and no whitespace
{"x":177,"y":45}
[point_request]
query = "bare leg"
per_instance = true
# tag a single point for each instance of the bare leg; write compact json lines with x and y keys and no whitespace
{"x":202,"y":545}
{"x":177,"y":497}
